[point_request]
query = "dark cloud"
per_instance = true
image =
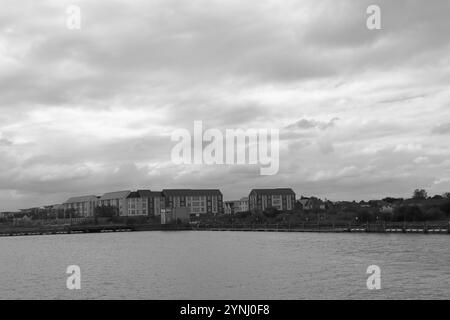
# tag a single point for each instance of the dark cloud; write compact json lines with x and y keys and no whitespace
{"x":441,"y":129}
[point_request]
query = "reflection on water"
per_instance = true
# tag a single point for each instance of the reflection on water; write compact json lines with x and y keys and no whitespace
{"x":225,"y":265}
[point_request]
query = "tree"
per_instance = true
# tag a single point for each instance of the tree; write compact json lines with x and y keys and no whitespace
{"x":420,"y":194}
{"x":446,"y":195}
{"x":392,"y":200}
{"x":271,"y":212}
{"x":434,"y":213}
{"x":408,"y":213}
{"x":106,"y":211}
{"x":446,"y":208}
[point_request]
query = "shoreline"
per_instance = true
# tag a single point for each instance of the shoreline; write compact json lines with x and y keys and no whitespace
{"x":423,"y":228}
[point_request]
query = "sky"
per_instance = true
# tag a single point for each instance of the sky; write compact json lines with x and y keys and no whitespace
{"x":362,"y":113}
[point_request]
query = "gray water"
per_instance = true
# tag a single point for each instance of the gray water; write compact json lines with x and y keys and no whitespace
{"x":225,"y":265}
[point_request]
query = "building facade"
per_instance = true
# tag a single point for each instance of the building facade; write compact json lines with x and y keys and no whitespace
{"x":236,"y":206}
{"x":243,"y":204}
{"x":115,"y":199}
{"x":145,"y":203}
{"x":138,"y":203}
{"x":282,"y":199}
{"x":157,"y":203}
{"x":83,"y":206}
{"x":199,"y":201}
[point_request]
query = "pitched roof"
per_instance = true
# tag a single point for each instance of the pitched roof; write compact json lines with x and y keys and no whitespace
{"x":115,"y":195}
{"x":81,"y":199}
{"x":273,"y":191}
{"x":143,"y":194}
{"x":303,"y":201}
{"x":191,"y":192}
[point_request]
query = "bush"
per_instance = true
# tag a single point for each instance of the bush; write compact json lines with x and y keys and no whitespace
{"x":408,"y":213}
{"x":271,"y":212}
{"x":434,"y":214}
{"x":258,"y":217}
{"x":445,"y":208}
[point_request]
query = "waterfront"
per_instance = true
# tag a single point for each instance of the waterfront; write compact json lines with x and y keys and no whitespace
{"x":225,"y":265}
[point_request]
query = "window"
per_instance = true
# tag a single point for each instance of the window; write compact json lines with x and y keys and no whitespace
{"x":277,"y":202}
{"x":289,"y":202}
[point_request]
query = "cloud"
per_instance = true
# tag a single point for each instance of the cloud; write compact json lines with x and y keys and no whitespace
{"x":304,"y":124}
{"x":5,"y":142}
{"x":421,"y":160}
{"x":441,"y":129}
{"x":92,"y":110}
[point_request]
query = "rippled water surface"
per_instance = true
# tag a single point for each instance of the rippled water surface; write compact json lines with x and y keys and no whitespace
{"x":225,"y":265}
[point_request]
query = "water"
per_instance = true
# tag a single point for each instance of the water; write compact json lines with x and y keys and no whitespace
{"x":225,"y":265}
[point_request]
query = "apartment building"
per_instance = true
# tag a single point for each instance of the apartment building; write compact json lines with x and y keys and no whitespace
{"x":157,"y":203}
{"x":280,"y":199}
{"x":145,"y":203}
{"x":83,"y":206}
{"x":116,"y":199}
{"x":138,"y":203}
{"x":199,"y":201}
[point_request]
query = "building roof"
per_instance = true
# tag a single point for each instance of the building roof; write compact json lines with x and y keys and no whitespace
{"x":144,"y":194}
{"x":273,"y":191}
{"x":191,"y":192}
{"x":115,"y":195}
{"x":81,"y":199}
{"x":303,"y":202}
{"x":233,"y":202}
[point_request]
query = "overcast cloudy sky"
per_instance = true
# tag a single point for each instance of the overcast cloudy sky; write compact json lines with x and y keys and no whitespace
{"x":362,"y":114}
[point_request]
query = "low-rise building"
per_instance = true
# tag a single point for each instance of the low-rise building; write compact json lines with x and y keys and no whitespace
{"x":311,"y":204}
{"x":282,"y":199}
{"x":230,"y":207}
{"x":243,"y":205}
{"x":236,"y":206}
{"x":83,"y":206}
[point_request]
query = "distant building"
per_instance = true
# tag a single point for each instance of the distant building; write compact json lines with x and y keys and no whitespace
{"x":157,"y":203}
{"x":227,"y":209}
{"x":83,"y":206}
{"x":230,"y":207}
{"x":116,"y":199}
{"x":199,"y":201}
{"x":145,"y":203}
{"x":138,"y":203}
{"x":312,"y":204}
{"x":179,"y":214}
{"x":236,"y":206}
{"x":243,"y":204}
{"x":7,"y":215}
{"x":280,"y":199}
